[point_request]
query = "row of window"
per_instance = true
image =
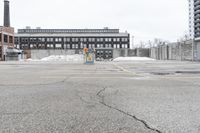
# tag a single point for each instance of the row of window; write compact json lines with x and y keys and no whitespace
{"x":70,"y":46}
{"x":7,"y":39}
{"x":72,"y":39}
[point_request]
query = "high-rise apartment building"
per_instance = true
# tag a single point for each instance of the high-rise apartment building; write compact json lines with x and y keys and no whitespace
{"x":196,"y":18}
{"x":191,"y":18}
{"x":194,"y":23}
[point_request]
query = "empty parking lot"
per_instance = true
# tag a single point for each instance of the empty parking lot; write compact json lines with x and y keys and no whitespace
{"x":145,"y":96}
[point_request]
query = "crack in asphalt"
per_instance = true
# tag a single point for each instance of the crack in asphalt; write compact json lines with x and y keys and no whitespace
{"x":41,"y":84}
{"x":85,"y":101}
{"x":123,"y":112}
{"x":17,"y":113}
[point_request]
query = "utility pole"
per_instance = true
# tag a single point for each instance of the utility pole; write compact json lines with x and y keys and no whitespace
{"x":181,"y":49}
{"x":132,"y":42}
{"x":193,"y":41}
{"x":149,"y":48}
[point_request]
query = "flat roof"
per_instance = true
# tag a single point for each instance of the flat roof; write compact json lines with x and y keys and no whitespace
{"x":63,"y":31}
{"x":73,"y":35}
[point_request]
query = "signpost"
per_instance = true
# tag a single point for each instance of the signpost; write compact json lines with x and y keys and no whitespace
{"x":89,"y":56}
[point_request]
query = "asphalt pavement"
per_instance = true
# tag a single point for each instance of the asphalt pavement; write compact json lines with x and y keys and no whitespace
{"x":108,"y":97}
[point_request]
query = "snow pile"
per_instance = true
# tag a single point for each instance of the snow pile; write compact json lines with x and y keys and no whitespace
{"x":70,"y":58}
{"x":133,"y":59}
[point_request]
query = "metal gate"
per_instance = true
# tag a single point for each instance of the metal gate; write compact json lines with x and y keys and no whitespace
{"x":104,"y":54}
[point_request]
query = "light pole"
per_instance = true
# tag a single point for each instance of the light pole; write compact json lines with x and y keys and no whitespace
{"x":132,"y":42}
{"x":193,"y":41}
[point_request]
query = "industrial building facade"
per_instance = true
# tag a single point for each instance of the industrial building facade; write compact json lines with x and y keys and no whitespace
{"x":71,"y":38}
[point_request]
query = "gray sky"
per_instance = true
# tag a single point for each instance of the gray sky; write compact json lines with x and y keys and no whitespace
{"x":144,"y":19}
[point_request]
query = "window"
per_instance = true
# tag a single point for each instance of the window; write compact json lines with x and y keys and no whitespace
{"x":31,"y":39}
{"x":50,"y":46}
{"x":16,"y":40}
{"x":5,"y":38}
{"x":101,"y":45}
{"x":24,"y":46}
{"x":73,"y":46}
{"x":76,"y":46}
{"x":68,"y":46}
{"x":91,"y":39}
{"x":41,"y":46}
{"x":125,"y":46}
{"x":10,"y":39}
{"x":33,"y":46}
{"x":17,"y":46}
{"x":49,"y":39}
{"x":26,"y":39}
{"x":81,"y":39}
{"x":85,"y":45}
{"x":85,"y":39}
{"x":74,"y":39}
{"x":91,"y":45}
{"x":124,"y":39}
{"x":81,"y":45}
{"x":66,"y":39}
{"x":43,"y":39}
{"x":58,"y":46}
{"x":58,"y":39}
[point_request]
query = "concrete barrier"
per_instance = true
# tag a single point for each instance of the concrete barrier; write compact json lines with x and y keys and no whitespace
{"x":175,"y":51}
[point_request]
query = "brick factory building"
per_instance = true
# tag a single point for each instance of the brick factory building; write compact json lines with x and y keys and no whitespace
{"x":6,"y":32}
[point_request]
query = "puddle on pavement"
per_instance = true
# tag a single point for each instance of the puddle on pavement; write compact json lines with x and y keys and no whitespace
{"x":162,"y":73}
{"x":187,"y":72}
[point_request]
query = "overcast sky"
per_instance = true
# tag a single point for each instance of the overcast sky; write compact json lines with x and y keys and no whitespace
{"x":143,"y":19}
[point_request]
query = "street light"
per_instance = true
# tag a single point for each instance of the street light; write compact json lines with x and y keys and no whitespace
{"x":132,"y":42}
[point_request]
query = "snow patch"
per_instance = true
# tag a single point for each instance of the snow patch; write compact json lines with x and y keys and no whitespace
{"x":133,"y":59}
{"x":70,"y":58}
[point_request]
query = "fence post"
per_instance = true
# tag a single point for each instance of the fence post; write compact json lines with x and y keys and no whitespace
{"x":193,"y":49}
